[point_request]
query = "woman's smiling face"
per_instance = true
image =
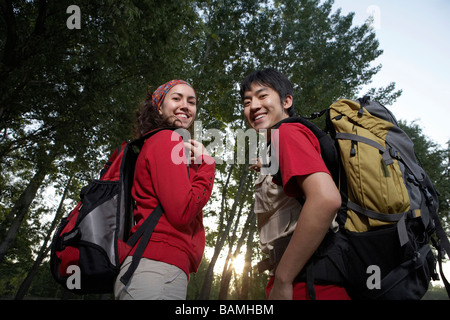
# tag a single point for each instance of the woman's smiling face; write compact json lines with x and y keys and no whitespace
{"x":180,"y":106}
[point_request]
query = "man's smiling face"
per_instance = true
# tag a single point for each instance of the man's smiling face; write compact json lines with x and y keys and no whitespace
{"x":263,"y":107}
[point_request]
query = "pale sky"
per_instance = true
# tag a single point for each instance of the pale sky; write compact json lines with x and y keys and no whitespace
{"x":415,"y":38}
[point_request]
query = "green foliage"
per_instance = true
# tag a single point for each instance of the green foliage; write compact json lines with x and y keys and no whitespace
{"x":436,"y":293}
{"x":196,"y":282}
{"x":68,"y":98}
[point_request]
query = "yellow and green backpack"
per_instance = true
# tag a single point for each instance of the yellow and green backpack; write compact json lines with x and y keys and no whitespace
{"x":389,"y":213}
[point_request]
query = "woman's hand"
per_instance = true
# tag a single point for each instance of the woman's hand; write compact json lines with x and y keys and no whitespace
{"x":194,"y":149}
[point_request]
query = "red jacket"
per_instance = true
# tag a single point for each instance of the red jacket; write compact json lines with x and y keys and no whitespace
{"x":179,"y":236}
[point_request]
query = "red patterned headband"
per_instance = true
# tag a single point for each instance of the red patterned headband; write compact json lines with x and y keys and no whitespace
{"x":160,"y":93}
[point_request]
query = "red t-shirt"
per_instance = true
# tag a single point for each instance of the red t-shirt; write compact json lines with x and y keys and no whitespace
{"x":299,"y":155}
{"x":179,"y":236}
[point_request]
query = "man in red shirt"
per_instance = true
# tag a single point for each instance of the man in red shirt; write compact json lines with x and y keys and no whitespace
{"x":268,"y":99}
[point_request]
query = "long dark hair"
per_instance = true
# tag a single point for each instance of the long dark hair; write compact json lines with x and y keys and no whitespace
{"x":147,"y":118}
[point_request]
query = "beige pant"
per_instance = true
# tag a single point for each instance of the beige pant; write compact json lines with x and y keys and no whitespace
{"x":152,"y":280}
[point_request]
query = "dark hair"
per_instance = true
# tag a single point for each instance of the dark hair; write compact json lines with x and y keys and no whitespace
{"x":148,"y":118}
{"x":272,"y":79}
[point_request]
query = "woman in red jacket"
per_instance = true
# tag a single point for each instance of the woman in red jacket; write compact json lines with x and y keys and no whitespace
{"x":178,"y":241}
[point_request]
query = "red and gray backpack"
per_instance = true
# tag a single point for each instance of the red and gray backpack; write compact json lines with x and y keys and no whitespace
{"x":91,"y":243}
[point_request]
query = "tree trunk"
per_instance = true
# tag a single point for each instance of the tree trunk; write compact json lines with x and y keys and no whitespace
{"x":20,"y":210}
{"x":247,"y":272}
{"x":23,"y":289}
{"x":228,"y":269}
{"x":206,"y":289}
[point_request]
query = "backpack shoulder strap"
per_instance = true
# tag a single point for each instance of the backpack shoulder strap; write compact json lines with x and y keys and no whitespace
{"x":144,"y":233}
{"x":327,"y":145}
